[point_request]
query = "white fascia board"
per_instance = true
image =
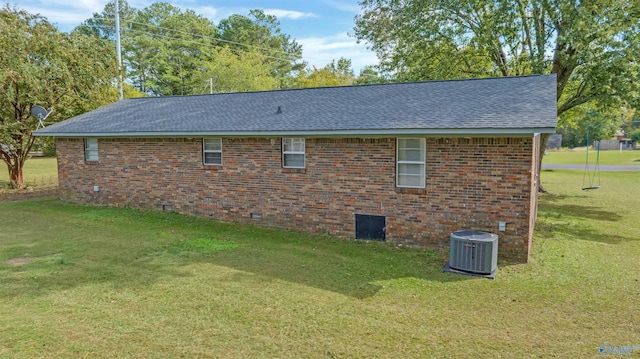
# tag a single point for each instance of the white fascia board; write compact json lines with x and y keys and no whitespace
{"x":323,"y":133}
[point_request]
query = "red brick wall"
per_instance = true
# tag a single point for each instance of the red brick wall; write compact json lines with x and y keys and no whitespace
{"x":471,"y":183}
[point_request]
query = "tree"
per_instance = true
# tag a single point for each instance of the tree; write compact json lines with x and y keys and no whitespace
{"x":261,"y":32}
{"x":163,"y":46}
{"x":166,"y":48}
{"x":168,"y":51}
{"x":632,"y":121}
{"x":70,"y":73}
{"x":228,"y":71}
{"x":103,"y":24}
{"x":584,"y":124}
{"x":587,"y":121}
{"x":592,"y":46}
{"x":333,"y":74}
{"x":369,"y":75}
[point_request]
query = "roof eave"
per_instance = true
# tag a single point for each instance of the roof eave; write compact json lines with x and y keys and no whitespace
{"x":319,"y":133}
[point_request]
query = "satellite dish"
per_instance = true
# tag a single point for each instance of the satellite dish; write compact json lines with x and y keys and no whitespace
{"x":41,"y":114}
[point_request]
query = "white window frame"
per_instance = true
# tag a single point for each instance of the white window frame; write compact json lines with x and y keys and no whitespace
{"x":422,"y":163}
{"x":91,"y":149}
{"x":205,"y":151}
{"x":291,"y":141}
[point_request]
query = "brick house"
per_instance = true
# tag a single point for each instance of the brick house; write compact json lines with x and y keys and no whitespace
{"x":408,"y":163}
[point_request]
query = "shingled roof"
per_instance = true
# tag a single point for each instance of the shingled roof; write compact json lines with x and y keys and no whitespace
{"x":505,"y":105}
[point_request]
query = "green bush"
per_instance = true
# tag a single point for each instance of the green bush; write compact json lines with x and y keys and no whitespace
{"x":49,"y":147}
{"x":635,"y":135}
{"x":46,"y":145}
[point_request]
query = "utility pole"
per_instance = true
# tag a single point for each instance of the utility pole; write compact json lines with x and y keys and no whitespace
{"x":119,"y":54}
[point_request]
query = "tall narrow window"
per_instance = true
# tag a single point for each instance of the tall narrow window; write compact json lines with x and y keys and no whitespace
{"x":293,"y":153}
{"x":212,"y":151}
{"x":411,"y":158}
{"x":91,"y":149}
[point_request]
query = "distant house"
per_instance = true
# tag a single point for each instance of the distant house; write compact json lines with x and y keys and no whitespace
{"x":554,"y":142}
{"x":619,"y":144}
{"x":407,"y":163}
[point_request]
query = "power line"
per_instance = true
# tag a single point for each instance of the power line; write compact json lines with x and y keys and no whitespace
{"x":203,"y":36}
{"x":204,"y":44}
{"x":156,"y":35}
{"x":290,"y":57}
{"x":230,"y":49}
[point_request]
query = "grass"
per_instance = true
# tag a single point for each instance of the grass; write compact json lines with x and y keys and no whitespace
{"x":626,"y":158}
{"x":38,"y":172}
{"x":79,"y":281}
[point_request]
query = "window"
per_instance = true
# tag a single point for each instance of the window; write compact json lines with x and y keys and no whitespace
{"x":91,"y":149}
{"x":411,"y":158}
{"x":293,"y":153}
{"x":212,"y":151}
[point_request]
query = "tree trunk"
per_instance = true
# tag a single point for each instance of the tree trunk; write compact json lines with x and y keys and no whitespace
{"x":15,"y":177}
{"x":543,"y":146}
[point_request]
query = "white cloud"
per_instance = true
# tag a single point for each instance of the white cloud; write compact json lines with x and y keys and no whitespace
{"x":288,"y":14}
{"x":214,"y":14}
{"x":218,"y":13}
{"x":319,"y":51}
{"x":65,"y":14}
{"x":344,"y":6}
{"x":66,"y":20}
{"x":79,"y":4}
{"x":69,"y":14}
{"x":206,"y":11}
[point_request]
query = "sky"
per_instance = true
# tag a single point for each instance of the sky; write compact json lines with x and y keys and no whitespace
{"x":322,"y":27}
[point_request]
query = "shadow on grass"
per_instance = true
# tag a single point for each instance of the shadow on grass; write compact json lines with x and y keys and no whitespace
{"x":120,"y":248}
{"x":581,"y":211}
{"x":353,"y":272}
{"x":580,"y":222}
{"x":35,"y":275}
{"x":555,"y":203}
{"x":571,"y":230}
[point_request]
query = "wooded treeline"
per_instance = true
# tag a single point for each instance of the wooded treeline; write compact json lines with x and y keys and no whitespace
{"x":170,"y":51}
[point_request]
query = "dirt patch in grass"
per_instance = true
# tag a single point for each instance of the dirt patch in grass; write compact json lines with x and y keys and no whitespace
{"x":18,"y":261}
{"x":29,"y":193}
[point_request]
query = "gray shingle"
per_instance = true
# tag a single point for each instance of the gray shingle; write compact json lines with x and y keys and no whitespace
{"x":460,"y":106}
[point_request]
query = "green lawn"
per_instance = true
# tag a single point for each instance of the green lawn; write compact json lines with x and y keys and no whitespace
{"x":626,"y":158}
{"x":38,"y":172}
{"x":80,"y":281}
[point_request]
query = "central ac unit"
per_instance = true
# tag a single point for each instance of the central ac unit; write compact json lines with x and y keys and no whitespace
{"x":473,"y":251}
